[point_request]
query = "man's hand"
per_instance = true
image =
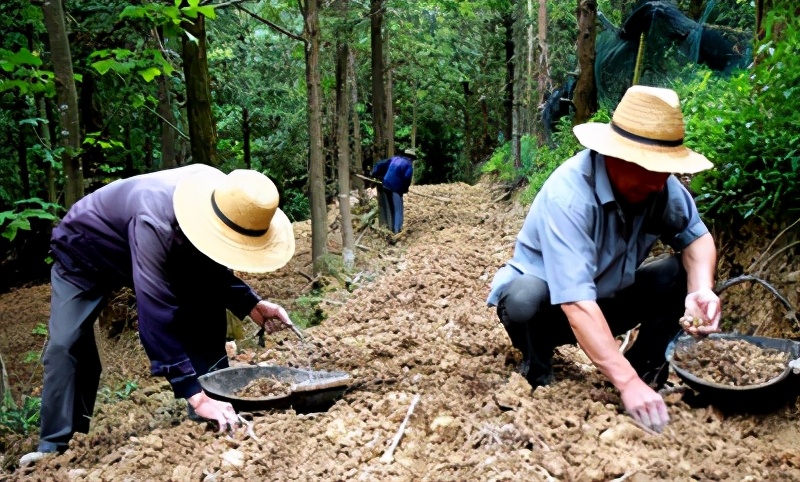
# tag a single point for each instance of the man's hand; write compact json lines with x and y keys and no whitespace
{"x":704,"y":306}
{"x":222,"y":412}
{"x":644,"y":405}
{"x":271,"y":317}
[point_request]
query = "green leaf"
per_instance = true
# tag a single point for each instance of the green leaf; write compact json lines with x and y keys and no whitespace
{"x":150,"y":73}
{"x":103,"y":66}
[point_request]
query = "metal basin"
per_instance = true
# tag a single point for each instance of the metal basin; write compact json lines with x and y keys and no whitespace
{"x":763,"y":396}
{"x":311,"y":390}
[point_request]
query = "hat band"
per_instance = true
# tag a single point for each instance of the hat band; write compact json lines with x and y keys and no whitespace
{"x":644,"y":140}
{"x":228,"y":222}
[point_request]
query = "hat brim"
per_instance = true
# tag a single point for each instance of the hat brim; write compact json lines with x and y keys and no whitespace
{"x":602,"y":138}
{"x":250,"y":254}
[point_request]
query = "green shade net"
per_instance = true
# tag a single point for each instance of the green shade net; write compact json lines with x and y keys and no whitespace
{"x":674,"y":46}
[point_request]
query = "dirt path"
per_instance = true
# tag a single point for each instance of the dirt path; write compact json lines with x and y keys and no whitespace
{"x":416,"y":325}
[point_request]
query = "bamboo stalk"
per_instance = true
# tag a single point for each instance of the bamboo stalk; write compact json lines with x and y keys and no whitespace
{"x":639,"y":56}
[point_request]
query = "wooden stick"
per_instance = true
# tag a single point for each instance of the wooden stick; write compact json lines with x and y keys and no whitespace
{"x":388,"y":456}
{"x":442,"y":199}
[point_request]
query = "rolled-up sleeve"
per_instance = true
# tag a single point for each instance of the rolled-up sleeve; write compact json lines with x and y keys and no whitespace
{"x":157,"y":306}
{"x":681,"y":221}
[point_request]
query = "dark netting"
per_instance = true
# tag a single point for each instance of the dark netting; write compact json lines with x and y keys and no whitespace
{"x":674,"y":45}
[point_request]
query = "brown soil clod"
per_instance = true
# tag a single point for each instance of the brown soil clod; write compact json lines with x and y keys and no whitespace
{"x":264,"y":388}
{"x":731,"y":362}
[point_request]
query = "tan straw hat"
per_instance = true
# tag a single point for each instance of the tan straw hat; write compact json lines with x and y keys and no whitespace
{"x":235,"y":219}
{"x":647,"y":129}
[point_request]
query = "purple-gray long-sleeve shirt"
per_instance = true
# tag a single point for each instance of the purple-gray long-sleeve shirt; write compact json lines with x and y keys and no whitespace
{"x":126,"y":234}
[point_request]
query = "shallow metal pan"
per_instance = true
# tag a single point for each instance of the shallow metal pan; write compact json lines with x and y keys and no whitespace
{"x":763,"y":396}
{"x":311,"y":390}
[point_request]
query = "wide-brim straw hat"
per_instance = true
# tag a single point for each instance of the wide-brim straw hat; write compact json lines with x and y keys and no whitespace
{"x":647,"y":129}
{"x":234,"y":219}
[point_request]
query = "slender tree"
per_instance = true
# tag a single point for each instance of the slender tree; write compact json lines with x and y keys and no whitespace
{"x":202,"y":129}
{"x":378,"y":82}
{"x":316,"y":163}
{"x":585,"y":96}
{"x":342,"y":137}
{"x":67,"y":96}
{"x":544,"y":63}
{"x":357,"y":157}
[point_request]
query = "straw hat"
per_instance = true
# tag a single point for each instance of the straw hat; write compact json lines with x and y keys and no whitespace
{"x":410,"y":152}
{"x":647,"y":129}
{"x":234,"y":219}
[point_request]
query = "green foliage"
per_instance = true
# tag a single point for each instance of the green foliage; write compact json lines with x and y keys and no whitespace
{"x":20,"y":217}
{"x":39,"y":329}
{"x":22,"y":73}
{"x":748,"y":125}
{"x":31,"y":357}
{"x":121,"y":391}
{"x":20,"y":420}
{"x":149,"y":63}
{"x":307,"y":311}
{"x":565,"y":145}
{"x":501,"y":164}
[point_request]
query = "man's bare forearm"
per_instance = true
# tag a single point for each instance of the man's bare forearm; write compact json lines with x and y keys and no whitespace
{"x":595,"y":338}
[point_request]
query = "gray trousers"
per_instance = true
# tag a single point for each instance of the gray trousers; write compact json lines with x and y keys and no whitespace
{"x":71,"y":364}
{"x":656,"y":300}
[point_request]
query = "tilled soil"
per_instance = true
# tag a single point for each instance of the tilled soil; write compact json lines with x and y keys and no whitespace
{"x":417,"y":324}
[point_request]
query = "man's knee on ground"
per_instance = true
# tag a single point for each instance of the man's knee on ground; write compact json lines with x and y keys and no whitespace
{"x":523,"y":298}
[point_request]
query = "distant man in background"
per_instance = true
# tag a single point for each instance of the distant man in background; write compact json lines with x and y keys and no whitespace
{"x":577,"y":274}
{"x":174,"y":236}
{"x":395,"y":175}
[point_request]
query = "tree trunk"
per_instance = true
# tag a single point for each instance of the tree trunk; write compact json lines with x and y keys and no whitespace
{"x":343,"y":143}
{"x":67,"y":100}
{"x":585,"y":96}
{"x":316,"y":168}
{"x":168,"y":154}
{"x":357,"y":158}
{"x":389,"y":114}
{"x":4,"y":386}
{"x":202,"y":130}
{"x":378,"y":70}
{"x":387,"y":62}
{"x":248,"y":162}
{"x":508,"y":100}
{"x":544,"y":63}
{"x":518,"y":63}
{"x":468,"y":148}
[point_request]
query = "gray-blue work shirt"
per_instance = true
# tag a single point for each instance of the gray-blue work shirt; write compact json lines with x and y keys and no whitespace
{"x":574,"y":236}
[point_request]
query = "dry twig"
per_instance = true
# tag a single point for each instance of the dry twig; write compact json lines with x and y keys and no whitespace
{"x":388,"y":456}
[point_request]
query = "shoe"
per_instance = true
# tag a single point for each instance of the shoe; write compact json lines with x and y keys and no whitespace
{"x":34,"y":457}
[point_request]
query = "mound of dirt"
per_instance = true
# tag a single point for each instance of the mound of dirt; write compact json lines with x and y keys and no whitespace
{"x":414,"y":322}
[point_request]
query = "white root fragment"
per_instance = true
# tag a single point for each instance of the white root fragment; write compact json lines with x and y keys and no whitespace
{"x":388,"y":456}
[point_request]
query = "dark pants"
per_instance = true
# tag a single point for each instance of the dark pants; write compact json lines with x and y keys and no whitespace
{"x":390,"y":209}
{"x":72,"y":364}
{"x":656,"y":300}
